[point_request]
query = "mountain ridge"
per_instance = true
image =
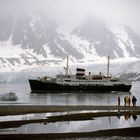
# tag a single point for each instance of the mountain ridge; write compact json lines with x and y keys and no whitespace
{"x":32,"y":40}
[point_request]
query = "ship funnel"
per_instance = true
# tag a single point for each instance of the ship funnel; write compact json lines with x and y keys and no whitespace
{"x":80,"y":72}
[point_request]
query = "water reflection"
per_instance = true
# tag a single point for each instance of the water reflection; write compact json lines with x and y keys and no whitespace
{"x":128,"y":116}
{"x":24,"y":96}
{"x":101,"y":123}
{"x":76,"y":98}
{"x":61,"y":126}
{"x":77,"y":126}
{"x":134,"y":117}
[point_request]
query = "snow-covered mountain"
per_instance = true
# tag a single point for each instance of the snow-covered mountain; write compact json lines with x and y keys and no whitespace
{"x":97,"y":39}
{"x":32,"y":40}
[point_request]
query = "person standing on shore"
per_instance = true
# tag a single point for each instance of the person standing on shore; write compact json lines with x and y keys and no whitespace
{"x":129,"y":101}
{"x":126,"y":100}
{"x":119,"y":101}
{"x":134,"y":100}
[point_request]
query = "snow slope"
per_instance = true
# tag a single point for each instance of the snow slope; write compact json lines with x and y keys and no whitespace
{"x":32,"y":41}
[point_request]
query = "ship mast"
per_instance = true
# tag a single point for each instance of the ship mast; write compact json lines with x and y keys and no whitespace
{"x":108,"y":65}
{"x":67,"y":66}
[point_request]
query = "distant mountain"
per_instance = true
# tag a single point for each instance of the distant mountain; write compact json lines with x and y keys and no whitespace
{"x":120,"y":41}
{"x":131,"y":71}
{"x":32,"y":40}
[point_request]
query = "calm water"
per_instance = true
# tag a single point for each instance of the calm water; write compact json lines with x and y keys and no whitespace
{"x":23,"y":93}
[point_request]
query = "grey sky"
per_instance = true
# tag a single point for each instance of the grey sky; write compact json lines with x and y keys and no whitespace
{"x":73,"y":12}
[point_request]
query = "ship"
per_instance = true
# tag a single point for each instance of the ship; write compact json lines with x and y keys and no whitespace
{"x":79,"y":82}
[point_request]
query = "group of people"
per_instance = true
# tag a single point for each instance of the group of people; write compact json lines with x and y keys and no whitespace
{"x":127,"y":101}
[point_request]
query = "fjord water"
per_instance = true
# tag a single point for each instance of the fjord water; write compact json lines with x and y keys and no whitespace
{"x":24,"y":96}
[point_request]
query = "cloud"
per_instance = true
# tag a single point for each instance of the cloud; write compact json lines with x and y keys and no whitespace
{"x":71,"y":12}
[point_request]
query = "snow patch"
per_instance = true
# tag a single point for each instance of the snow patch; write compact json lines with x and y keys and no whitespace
{"x":8,"y":50}
{"x":116,"y":54}
{"x":123,"y":39}
{"x":123,"y":47}
{"x":49,"y":54}
{"x":31,"y":24}
{"x":83,"y":46}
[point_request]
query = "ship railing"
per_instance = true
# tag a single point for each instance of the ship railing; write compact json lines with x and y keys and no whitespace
{"x":63,"y":76}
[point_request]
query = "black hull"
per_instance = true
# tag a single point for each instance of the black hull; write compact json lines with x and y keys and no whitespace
{"x":42,"y":87}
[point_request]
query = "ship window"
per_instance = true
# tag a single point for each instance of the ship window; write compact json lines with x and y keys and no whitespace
{"x":67,"y":80}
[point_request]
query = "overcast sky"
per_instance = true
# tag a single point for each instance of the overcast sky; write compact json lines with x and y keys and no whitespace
{"x":73,"y":12}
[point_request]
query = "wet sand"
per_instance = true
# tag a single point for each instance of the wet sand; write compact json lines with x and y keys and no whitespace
{"x":27,"y":109}
{"x":127,"y":132}
{"x":66,"y":117}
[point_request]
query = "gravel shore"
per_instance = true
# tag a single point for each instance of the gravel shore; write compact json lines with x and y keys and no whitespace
{"x":27,"y":109}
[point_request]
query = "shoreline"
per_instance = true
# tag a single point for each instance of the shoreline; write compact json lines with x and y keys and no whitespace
{"x":67,"y":117}
{"x":103,"y":111}
{"x":28,"y":109}
{"x":127,"y":132}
